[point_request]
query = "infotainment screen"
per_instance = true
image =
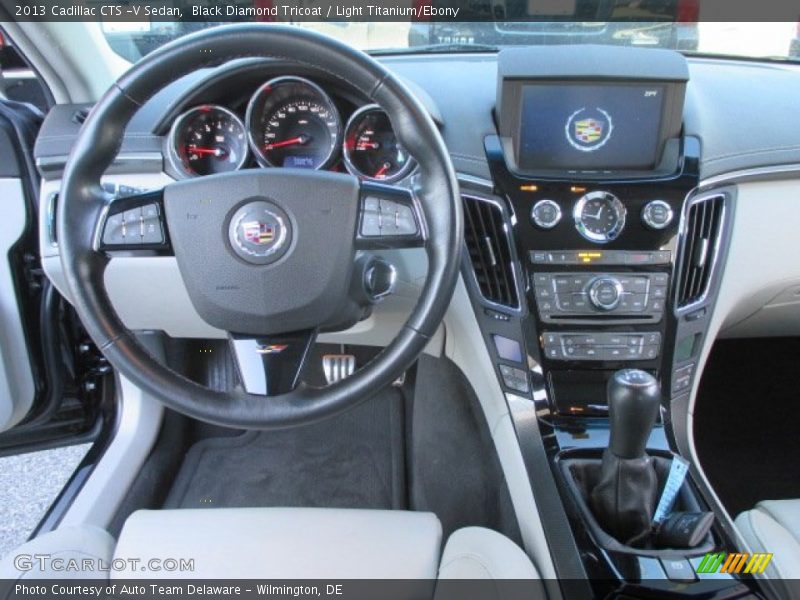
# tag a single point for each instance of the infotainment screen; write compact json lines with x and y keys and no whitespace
{"x":590,"y":126}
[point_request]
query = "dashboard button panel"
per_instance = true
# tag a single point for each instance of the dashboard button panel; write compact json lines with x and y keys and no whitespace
{"x":601,"y":346}
{"x":562,"y":296}
{"x":600,"y":257}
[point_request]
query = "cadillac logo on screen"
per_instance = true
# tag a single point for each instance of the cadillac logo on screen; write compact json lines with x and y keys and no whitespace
{"x":588,"y":130}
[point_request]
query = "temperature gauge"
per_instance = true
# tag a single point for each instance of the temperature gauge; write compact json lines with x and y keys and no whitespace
{"x":371,"y":149}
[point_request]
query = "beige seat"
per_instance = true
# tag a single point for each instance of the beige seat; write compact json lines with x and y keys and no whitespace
{"x":287,"y":543}
{"x":773,"y":526}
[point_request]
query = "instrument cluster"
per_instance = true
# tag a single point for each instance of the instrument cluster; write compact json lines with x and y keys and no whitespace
{"x":289,"y":122}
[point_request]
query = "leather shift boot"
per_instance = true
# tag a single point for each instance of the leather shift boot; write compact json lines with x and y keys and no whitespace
{"x":624,"y":499}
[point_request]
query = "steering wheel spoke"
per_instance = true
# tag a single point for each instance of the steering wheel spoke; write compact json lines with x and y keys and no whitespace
{"x":389,"y":217}
{"x":273,"y":365}
{"x":135,"y":222}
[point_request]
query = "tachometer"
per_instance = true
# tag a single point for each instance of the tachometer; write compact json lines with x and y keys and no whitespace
{"x":371,"y":149}
{"x":292,"y":122}
{"x":207,"y":139}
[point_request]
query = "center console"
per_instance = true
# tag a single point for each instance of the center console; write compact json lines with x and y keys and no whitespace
{"x":593,"y":254}
{"x":593,"y":164}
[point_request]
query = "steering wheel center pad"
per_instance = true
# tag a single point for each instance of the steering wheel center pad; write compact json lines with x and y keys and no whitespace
{"x":305,"y":221}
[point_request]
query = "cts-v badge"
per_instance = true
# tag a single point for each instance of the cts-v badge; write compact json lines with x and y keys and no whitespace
{"x":260,"y":232}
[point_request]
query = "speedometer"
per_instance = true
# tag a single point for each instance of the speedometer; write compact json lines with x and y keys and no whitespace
{"x":292,"y":122}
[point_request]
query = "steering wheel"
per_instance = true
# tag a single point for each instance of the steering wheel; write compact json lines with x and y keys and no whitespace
{"x":267,"y":255}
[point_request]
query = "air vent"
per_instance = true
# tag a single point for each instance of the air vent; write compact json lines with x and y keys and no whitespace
{"x":489,"y":247}
{"x":701,"y":237}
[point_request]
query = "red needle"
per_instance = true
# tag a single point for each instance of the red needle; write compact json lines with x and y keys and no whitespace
{"x":382,"y":170}
{"x":202,"y":150}
{"x":300,"y":139}
{"x":366,"y":145}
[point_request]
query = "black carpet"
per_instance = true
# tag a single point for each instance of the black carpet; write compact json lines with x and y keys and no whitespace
{"x":455,"y":472}
{"x":354,"y":460}
{"x":747,"y":421}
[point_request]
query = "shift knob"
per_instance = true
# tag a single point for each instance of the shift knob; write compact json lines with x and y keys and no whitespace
{"x":633,"y":400}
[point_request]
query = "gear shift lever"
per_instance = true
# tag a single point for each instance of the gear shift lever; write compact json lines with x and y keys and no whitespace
{"x":633,"y":399}
{"x":625,"y":496}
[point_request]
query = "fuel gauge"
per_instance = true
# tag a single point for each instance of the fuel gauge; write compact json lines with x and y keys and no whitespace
{"x":371,"y":149}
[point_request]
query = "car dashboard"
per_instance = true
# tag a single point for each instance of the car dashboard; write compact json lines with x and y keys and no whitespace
{"x":571,"y":270}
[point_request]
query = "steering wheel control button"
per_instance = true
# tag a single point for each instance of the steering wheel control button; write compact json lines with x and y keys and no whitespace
{"x":114,"y":231}
{"x":133,"y":226}
{"x":546,"y":214}
{"x":260,"y":232}
{"x":657,"y":214}
{"x":605,"y":293}
{"x":386,"y":218}
{"x":152,"y":231}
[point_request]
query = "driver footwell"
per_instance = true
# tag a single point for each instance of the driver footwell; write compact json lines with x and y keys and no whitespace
{"x":353,"y":460}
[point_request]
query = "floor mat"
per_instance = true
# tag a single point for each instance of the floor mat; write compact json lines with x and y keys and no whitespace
{"x":747,"y":421}
{"x":354,"y":460}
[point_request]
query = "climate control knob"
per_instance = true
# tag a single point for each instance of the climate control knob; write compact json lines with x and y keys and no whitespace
{"x":605,"y":293}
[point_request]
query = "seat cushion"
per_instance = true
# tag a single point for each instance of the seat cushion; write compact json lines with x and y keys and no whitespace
{"x":479,"y":553}
{"x":285,"y":543}
{"x":774,"y":526}
{"x":65,"y":545}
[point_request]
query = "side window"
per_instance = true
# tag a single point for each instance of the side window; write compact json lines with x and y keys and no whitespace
{"x":18,"y":81}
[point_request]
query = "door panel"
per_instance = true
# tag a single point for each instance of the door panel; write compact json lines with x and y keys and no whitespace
{"x":16,"y":378}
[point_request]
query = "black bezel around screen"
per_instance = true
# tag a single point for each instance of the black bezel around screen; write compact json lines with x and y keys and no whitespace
{"x":657,"y":160}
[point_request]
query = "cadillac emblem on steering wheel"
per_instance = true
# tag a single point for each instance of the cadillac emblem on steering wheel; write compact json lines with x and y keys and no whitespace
{"x":260,"y":232}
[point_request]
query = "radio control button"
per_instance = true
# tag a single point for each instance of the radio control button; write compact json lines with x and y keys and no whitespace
{"x":638,"y":285}
{"x":650,"y":352}
{"x":659,"y":278}
{"x":565,"y":302}
{"x":580,"y":302}
{"x":657,"y":214}
{"x":658,"y":291}
{"x":546,"y":214}
{"x":605,"y":293}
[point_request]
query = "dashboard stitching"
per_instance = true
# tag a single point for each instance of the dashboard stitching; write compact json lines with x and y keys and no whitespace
{"x":721,"y":157}
{"x":469,"y":157}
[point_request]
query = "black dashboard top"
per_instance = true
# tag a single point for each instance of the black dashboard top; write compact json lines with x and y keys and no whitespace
{"x":740,"y":111}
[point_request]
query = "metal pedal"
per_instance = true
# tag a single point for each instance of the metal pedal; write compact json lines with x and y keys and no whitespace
{"x":400,"y":381}
{"x":338,"y":366}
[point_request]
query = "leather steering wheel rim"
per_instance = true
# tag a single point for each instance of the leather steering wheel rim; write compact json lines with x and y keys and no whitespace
{"x":83,"y":203}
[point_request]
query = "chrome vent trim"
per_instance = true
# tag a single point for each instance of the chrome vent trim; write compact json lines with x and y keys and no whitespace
{"x":701,"y":233}
{"x":488,"y":242}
